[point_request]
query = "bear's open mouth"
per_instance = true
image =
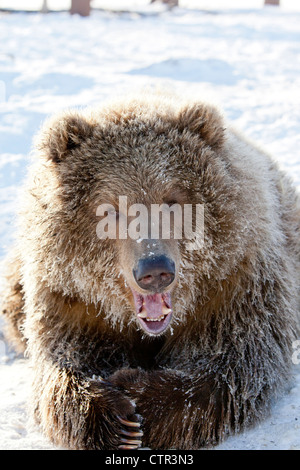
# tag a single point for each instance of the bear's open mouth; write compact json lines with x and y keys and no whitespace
{"x":154,"y":311}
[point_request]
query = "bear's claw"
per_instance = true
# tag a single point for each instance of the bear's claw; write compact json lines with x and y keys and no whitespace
{"x":132,"y":433}
{"x":127,"y":447}
{"x":129,"y":442}
{"x":132,"y":424}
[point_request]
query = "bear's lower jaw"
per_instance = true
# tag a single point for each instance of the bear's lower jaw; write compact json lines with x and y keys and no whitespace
{"x":154,"y":311}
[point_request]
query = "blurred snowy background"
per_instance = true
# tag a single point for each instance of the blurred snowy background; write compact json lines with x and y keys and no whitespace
{"x":241,"y":55}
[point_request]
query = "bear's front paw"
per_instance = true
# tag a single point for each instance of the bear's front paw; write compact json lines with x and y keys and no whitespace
{"x":129,"y":381}
{"x":119,"y":425}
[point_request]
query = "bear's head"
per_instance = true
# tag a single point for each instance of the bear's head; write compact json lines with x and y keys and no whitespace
{"x":135,"y":209}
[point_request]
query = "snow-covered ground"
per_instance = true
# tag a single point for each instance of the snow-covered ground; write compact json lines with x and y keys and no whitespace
{"x":243,"y":57}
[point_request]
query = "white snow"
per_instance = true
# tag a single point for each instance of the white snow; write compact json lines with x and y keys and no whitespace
{"x":239,"y":55}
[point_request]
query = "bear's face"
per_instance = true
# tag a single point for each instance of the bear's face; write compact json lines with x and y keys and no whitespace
{"x":100,"y":178}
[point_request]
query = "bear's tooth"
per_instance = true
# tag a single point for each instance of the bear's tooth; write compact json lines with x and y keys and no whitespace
{"x":142,"y":314}
{"x":166,"y":310}
{"x":161,"y":317}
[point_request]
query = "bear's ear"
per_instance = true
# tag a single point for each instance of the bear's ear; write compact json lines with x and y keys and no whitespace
{"x":62,"y":134}
{"x":204,"y":120}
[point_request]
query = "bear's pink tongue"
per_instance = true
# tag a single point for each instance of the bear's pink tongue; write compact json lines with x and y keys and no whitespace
{"x":153,"y":304}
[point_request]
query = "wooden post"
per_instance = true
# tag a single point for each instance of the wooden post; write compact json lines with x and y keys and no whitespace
{"x":272,"y":2}
{"x":81,"y":7}
{"x":172,"y":3}
{"x":44,"y":8}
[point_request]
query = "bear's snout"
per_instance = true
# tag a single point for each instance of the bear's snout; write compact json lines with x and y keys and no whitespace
{"x":154,"y":274}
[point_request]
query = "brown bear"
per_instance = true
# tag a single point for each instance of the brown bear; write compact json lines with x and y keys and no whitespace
{"x":145,"y":341}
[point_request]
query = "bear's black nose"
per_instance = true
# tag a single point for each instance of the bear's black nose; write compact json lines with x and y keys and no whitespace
{"x":155,"y":274}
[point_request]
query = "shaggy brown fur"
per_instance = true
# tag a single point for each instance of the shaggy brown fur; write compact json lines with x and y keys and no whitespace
{"x":227,"y":352}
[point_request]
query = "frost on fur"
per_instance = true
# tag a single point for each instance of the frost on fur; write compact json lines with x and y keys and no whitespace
{"x":136,"y":342}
